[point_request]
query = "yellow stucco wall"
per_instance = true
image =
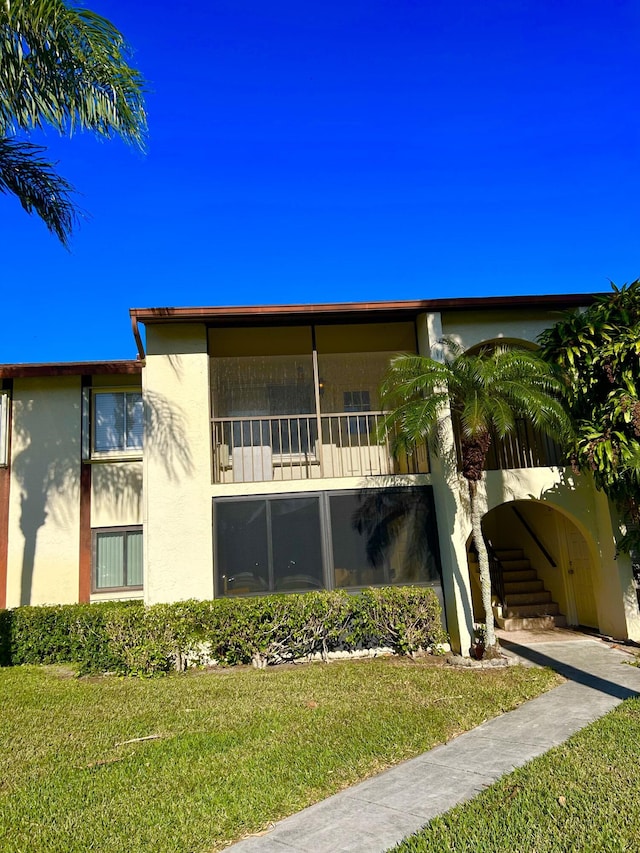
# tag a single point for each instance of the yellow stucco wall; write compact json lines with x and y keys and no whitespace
{"x":44,"y":501}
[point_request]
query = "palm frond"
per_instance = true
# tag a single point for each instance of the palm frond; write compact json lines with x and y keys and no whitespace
{"x":37,"y":186}
{"x":67,"y":67}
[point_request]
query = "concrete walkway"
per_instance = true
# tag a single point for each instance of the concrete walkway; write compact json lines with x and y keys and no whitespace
{"x":376,"y":814}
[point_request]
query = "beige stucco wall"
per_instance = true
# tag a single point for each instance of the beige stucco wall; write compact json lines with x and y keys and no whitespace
{"x":469,"y":328}
{"x":177,"y":465}
{"x":44,"y":504}
{"x":116,"y":494}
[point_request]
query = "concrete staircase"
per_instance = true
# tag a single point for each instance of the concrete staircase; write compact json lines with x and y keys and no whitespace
{"x":528,"y":603}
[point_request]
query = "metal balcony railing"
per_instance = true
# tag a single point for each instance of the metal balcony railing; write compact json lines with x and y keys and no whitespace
{"x":303,"y":447}
{"x":523,"y":448}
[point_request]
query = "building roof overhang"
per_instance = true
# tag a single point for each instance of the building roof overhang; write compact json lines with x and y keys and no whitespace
{"x":351,"y":311}
{"x":70,"y":368}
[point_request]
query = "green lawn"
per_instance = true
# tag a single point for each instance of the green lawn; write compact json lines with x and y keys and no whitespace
{"x":237,"y":749}
{"x":582,"y":796}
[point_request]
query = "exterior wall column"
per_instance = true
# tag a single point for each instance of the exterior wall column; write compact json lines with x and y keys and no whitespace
{"x":616,"y":598}
{"x":178,"y":538}
{"x":451,"y":508}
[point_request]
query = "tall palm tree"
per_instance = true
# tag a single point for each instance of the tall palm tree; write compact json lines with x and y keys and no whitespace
{"x":485,"y":393}
{"x":65,"y":67}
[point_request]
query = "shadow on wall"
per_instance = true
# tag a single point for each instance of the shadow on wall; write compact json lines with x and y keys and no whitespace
{"x":48,"y":471}
{"x":165,"y":435}
{"x":48,"y":466}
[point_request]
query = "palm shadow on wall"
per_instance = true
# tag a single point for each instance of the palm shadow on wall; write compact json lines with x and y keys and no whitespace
{"x":48,"y":467}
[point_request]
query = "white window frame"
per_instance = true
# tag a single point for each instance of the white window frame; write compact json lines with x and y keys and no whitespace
{"x":89,"y":452}
{"x":5,"y":411}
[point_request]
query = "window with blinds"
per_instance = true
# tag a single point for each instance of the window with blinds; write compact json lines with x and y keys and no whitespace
{"x":117,"y":559}
{"x":117,"y":423}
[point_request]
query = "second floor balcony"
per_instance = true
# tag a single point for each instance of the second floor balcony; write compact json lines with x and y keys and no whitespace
{"x":304,"y":447}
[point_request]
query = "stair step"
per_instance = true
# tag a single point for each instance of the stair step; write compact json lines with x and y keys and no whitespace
{"x":550,"y":608}
{"x":515,"y":565}
{"x":537,"y":623}
{"x":516,"y":599}
{"x":522,"y":587}
{"x":518,"y":575}
{"x":509,"y":553}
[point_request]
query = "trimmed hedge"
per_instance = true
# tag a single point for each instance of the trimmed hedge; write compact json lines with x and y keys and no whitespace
{"x":128,"y":638}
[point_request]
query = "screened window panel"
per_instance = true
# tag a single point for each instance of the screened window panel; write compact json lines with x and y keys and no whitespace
{"x":242,"y":554}
{"x":296,"y":543}
{"x":134,"y":558}
{"x":384,"y":537}
{"x":350,"y":381}
{"x":249,"y":386}
{"x":109,"y":560}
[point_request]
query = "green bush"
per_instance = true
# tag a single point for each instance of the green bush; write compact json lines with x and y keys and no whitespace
{"x":128,"y":638}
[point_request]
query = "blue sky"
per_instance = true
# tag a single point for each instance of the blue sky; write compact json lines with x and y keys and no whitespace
{"x":336,"y":151}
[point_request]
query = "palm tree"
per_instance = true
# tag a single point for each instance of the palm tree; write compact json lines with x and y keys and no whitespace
{"x":485,"y":393}
{"x":65,"y":67}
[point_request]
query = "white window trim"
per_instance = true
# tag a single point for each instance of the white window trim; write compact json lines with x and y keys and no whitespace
{"x":89,"y":453}
{"x":5,"y":410}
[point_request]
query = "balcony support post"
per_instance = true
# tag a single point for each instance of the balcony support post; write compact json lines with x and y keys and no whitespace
{"x":316,"y":394}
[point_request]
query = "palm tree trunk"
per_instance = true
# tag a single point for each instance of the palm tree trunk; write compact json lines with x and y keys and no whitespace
{"x":483,"y":563}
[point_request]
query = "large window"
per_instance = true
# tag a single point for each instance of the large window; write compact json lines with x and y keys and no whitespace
{"x":383,"y":536}
{"x":348,"y":540}
{"x":117,"y":559}
{"x":117,"y":423}
{"x":268,"y":545}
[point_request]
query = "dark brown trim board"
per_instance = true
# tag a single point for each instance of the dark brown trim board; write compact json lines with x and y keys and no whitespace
{"x":5,"y":483}
{"x":84,"y":558}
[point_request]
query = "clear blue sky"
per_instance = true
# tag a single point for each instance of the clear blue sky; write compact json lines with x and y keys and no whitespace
{"x":335,"y":151}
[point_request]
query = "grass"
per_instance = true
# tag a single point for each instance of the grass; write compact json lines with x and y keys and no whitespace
{"x":581,"y":796}
{"x":236,"y":749}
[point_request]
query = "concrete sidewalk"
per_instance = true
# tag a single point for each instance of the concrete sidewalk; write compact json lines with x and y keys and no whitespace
{"x":376,"y":814}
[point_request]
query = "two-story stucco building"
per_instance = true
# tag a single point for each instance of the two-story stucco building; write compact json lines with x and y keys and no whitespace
{"x":239,"y":454}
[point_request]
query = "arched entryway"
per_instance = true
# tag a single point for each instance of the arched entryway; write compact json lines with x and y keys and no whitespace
{"x":542,"y":567}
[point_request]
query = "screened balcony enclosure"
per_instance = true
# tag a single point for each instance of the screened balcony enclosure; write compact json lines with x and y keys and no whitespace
{"x":300,"y":403}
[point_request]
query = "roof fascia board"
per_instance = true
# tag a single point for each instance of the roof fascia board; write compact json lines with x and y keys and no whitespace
{"x":348,"y":311}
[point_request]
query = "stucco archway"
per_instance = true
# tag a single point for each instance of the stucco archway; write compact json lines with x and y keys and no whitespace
{"x":537,"y":537}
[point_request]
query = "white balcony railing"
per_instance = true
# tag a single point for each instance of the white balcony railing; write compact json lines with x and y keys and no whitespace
{"x":303,"y":447}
